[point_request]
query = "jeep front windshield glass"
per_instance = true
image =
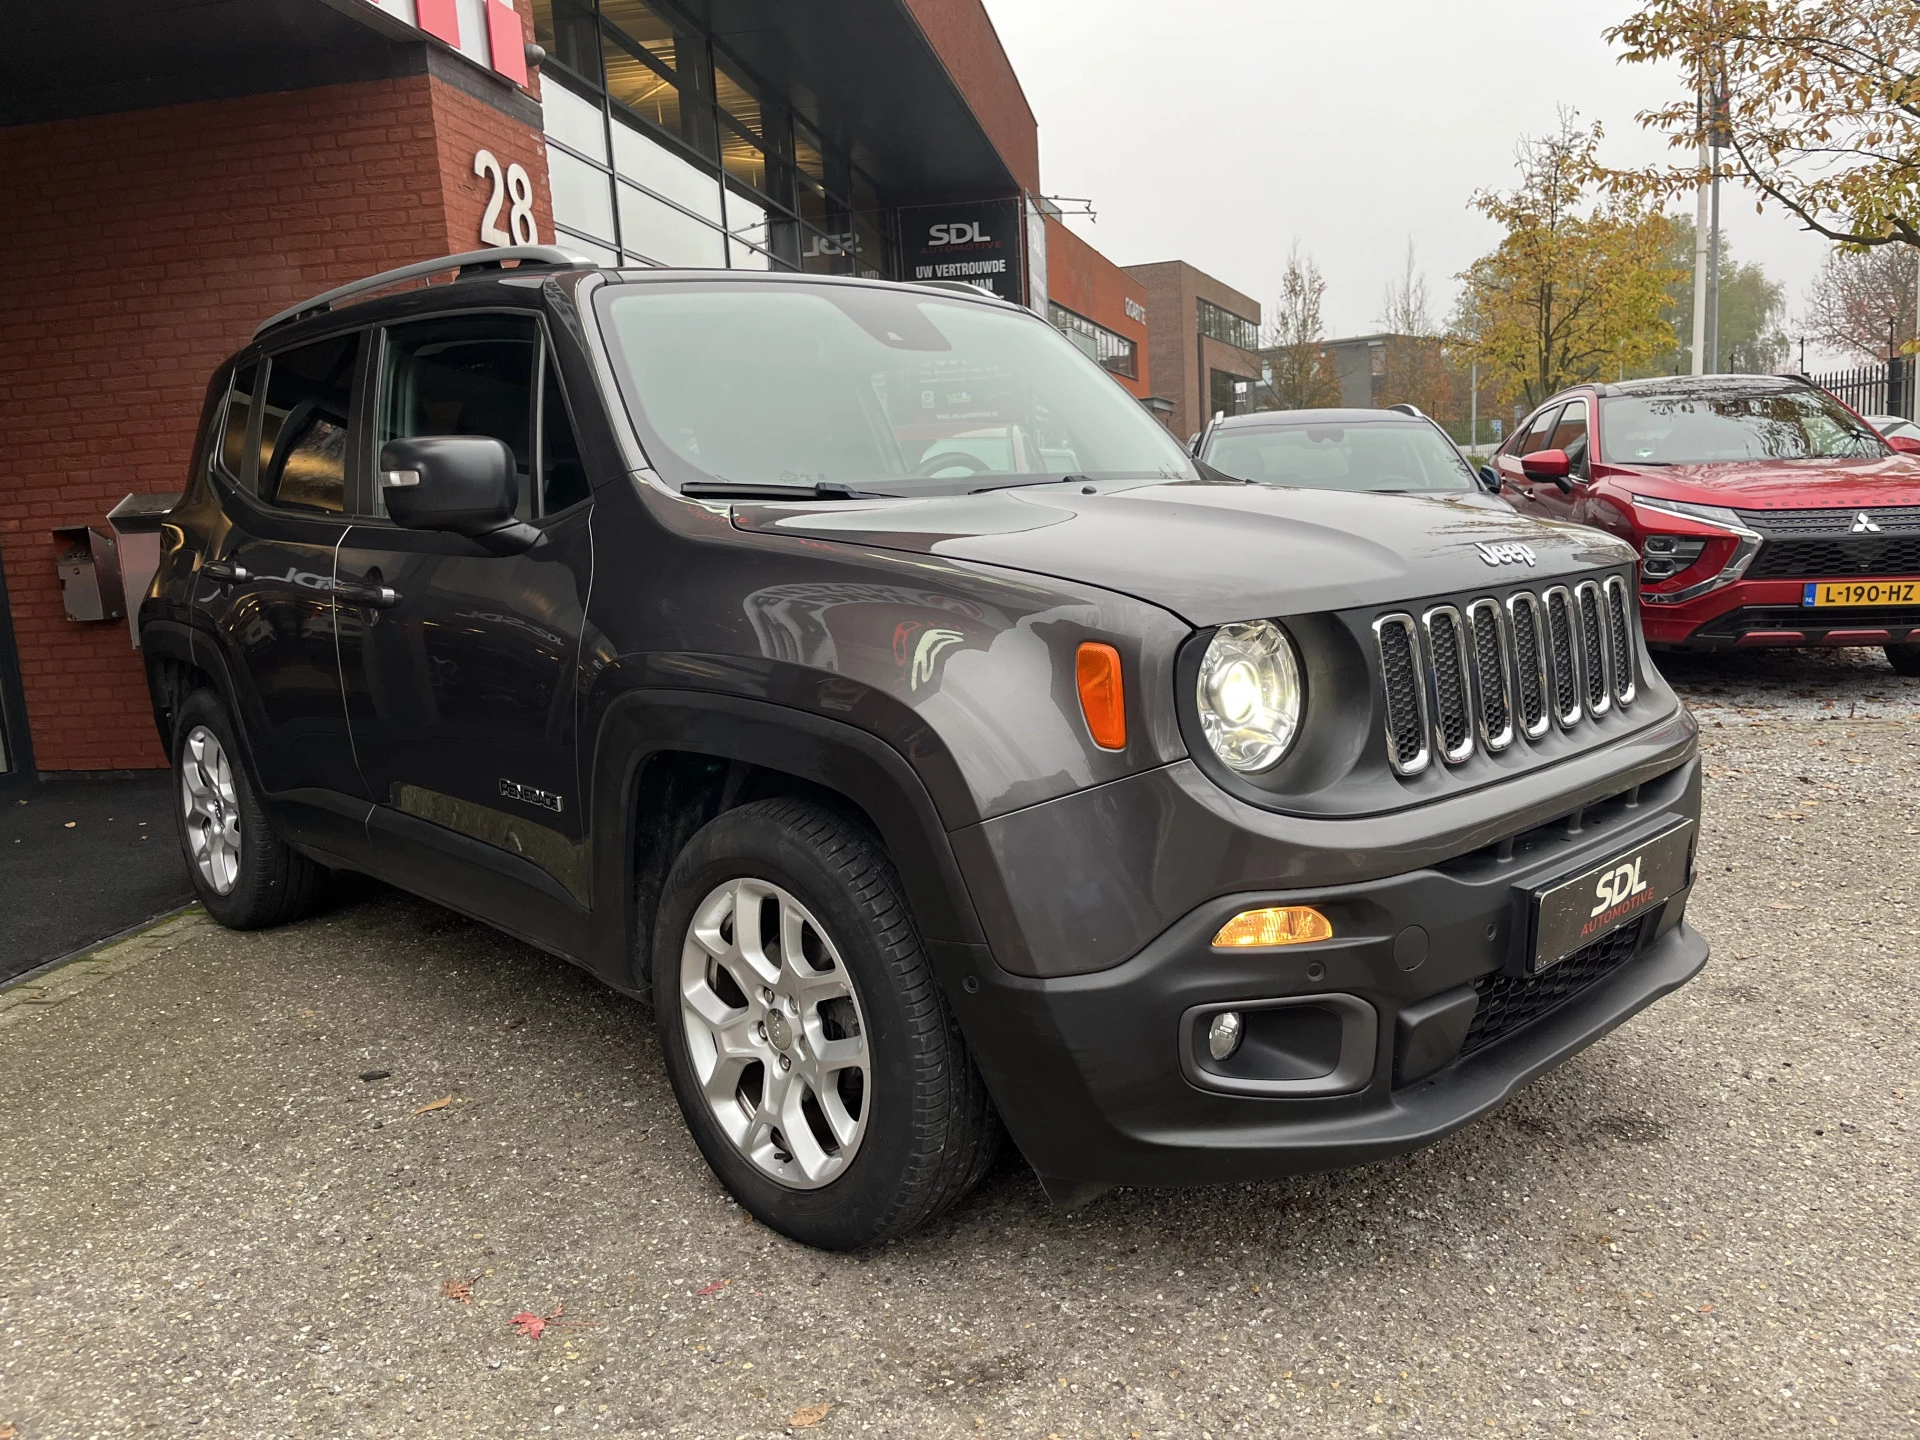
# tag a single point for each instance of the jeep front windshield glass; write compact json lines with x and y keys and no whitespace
{"x":1703,"y":427}
{"x":1349,"y":455}
{"x":880,"y":390}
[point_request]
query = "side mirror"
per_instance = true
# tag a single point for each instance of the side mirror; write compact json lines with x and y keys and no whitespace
{"x":1903,"y":444}
{"x":466,"y":484}
{"x":1548,"y":465}
{"x":1489,"y":479}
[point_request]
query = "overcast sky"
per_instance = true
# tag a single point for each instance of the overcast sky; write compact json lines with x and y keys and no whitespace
{"x":1218,"y":133}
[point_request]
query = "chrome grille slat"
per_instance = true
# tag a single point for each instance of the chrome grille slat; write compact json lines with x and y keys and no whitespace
{"x":1408,"y":721}
{"x":1596,"y":649}
{"x":1489,"y":644}
{"x":1620,"y":627}
{"x":1532,"y":683}
{"x":1478,"y":674}
{"x":1563,"y":654}
{"x":1452,"y":706}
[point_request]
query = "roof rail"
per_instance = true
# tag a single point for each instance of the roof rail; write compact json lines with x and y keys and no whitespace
{"x":468,"y":260}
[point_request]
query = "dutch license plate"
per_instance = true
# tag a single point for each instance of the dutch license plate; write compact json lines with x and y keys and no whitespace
{"x":1821,"y":593}
{"x":1572,"y":914}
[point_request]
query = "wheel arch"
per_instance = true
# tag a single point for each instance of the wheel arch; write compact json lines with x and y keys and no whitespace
{"x":665,"y":762}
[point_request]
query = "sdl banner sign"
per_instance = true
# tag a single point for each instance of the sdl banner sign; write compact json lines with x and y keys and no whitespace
{"x":977,"y":243}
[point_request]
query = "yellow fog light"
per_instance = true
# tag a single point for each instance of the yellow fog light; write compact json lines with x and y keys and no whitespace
{"x":1277,"y":925}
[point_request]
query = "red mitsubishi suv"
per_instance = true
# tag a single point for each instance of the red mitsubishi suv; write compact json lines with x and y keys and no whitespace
{"x":1766,"y":513}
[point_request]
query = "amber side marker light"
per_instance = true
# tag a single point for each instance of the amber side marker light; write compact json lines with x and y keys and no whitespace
{"x":1096,"y":670}
{"x":1278,"y":925}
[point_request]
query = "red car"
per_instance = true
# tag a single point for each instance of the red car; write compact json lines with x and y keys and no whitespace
{"x":1766,"y":513}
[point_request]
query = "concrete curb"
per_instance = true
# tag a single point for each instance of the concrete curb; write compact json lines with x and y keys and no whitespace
{"x":59,"y":981}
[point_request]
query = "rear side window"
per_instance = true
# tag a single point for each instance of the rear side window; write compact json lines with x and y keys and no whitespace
{"x":303,"y":426}
{"x":232,"y":454}
{"x":464,"y":375}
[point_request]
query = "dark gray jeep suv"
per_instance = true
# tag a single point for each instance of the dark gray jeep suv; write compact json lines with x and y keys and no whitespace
{"x":854,"y":670}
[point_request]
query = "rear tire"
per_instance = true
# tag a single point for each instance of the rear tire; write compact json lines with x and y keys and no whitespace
{"x":1905,"y":659}
{"x":247,"y":877}
{"x":829,"y":1089}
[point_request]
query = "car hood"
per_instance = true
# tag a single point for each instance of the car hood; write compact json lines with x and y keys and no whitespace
{"x":1780,"y":484}
{"x":1212,"y":552}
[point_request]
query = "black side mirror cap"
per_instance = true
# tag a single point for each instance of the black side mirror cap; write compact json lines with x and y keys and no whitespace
{"x":465,"y":484}
{"x":1490,"y":479}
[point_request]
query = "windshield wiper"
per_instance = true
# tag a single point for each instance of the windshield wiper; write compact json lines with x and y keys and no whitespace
{"x":1026,"y":482}
{"x":775,"y":490}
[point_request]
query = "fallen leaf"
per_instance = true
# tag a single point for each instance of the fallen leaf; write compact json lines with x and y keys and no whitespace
{"x":1778,"y":905}
{"x":7,"y":1432}
{"x":1707,"y":1309}
{"x":446,"y":1100}
{"x":72,"y":823}
{"x":812,"y":1415}
{"x":461,"y":1290}
{"x":714,"y":1289}
{"x":529,"y":1324}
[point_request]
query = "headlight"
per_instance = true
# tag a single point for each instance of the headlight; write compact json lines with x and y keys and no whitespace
{"x":1668,"y":556}
{"x":1250,"y":695}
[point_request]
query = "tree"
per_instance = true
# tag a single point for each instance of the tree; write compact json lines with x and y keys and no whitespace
{"x":1821,"y":106}
{"x":1575,"y":288}
{"x":1753,"y":309}
{"x":1418,"y":369}
{"x":1860,"y":299}
{"x":1303,"y":376}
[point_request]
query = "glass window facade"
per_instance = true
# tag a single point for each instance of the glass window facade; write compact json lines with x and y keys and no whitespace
{"x":665,"y":150}
{"x":1228,"y":328}
{"x":1113,"y":352}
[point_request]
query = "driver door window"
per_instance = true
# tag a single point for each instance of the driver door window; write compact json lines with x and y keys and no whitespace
{"x":1570,"y":435}
{"x":303,"y":426}
{"x":464,"y":375}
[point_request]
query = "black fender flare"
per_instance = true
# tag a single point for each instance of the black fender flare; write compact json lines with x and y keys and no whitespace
{"x":839,"y":757}
{"x":177,"y":640}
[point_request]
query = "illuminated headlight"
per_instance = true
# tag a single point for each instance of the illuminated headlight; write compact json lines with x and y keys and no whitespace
{"x":1250,"y":695}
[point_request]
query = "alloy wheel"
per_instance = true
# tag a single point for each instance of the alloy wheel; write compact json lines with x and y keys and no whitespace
{"x":212,"y":807}
{"x":774,"y":1030}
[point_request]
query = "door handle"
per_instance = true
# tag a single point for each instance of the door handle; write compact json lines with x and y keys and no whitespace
{"x":378,"y":597}
{"x":226,"y":573}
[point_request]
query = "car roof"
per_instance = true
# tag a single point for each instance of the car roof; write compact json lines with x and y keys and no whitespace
{"x":1276,"y":419}
{"x":1683,"y":385}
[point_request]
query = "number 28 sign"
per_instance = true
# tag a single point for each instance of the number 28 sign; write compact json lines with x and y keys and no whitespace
{"x":512,"y":192}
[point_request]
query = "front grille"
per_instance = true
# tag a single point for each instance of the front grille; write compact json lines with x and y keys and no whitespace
{"x":1509,"y":1003}
{"x":1566,"y":662}
{"x":1529,"y":664}
{"x":1406,"y":693}
{"x":1620,"y":630}
{"x":1471,"y":676}
{"x":1594,"y":645}
{"x":1452,"y":714}
{"x":1839,"y":558}
{"x":1892,"y":520}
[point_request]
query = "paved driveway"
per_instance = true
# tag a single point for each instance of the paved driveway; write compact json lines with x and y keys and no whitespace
{"x":211,"y":1224}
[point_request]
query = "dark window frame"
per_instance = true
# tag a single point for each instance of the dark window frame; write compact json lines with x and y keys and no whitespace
{"x":372,"y":394}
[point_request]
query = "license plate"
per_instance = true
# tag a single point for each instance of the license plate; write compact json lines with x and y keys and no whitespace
{"x":1821,"y":593}
{"x":1571,"y":914}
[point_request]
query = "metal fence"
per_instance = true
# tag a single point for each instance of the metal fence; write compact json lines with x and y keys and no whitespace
{"x":1876,"y":389}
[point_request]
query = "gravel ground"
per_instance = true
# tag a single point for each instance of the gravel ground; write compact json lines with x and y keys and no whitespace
{"x":212,"y":1224}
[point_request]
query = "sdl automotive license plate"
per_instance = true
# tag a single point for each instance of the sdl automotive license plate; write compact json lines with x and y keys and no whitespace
{"x":1572,"y":914}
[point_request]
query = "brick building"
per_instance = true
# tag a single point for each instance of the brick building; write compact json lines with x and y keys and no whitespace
{"x":1203,"y":338}
{"x":195,"y":167}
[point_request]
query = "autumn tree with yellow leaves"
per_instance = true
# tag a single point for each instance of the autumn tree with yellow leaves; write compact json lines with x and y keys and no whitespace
{"x":1818,"y":107}
{"x":1575,"y":288}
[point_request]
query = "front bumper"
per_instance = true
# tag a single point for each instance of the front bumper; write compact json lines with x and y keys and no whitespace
{"x":1094,"y":1072}
{"x":1751,"y":614}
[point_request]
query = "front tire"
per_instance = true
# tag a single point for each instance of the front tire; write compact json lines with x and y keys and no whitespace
{"x":246,"y":876}
{"x":808,"y":1042}
{"x":1905,"y":659}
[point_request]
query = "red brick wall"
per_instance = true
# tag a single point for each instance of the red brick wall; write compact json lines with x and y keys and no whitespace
{"x":1087,"y":283}
{"x":161,"y":238}
{"x":967,"y":44}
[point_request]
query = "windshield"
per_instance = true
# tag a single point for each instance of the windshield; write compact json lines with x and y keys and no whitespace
{"x":1702,"y":428}
{"x":872,"y":388}
{"x":1363,"y":455}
